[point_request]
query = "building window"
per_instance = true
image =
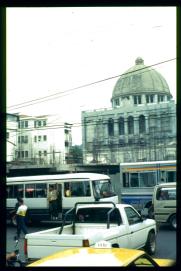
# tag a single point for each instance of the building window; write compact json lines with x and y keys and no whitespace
{"x":142,"y":126}
{"x":7,"y":135}
{"x":150,"y":98}
{"x":39,"y":153}
{"x":66,"y":143}
{"x":45,"y":138}
{"x":66,"y":131}
{"x":121,"y":142}
{"x":160,"y":98}
{"x":45,"y":153}
{"x":26,"y":154}
{"x":121,"y":126}
{"x":35,"y":138}
{"x":23,"y":124}
{"x":130,"y":125}
{"x":39,"y":138}
{"x":44,"y":123}
{"x":137,"y":99}
{"x":110,"y":127}
{"x":23,"y":139}
{"x":117,"y":102}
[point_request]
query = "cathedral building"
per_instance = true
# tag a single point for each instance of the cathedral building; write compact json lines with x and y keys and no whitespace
{"x":140,"y":126}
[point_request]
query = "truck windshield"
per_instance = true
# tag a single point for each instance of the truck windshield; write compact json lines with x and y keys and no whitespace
{"x":103,"y":189}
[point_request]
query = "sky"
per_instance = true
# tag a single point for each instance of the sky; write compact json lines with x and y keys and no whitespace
{"x":53,"y":51}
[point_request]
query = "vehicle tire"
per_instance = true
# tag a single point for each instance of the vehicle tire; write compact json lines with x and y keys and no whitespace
{"x":173,"y":222}
{"x":115,"y":245}
{"x":150,"y":246}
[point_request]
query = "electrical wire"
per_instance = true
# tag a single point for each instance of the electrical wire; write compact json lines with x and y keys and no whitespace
{"x":66,"y":92}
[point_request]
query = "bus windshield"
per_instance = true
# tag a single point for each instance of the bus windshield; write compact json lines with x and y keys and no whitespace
{"x":103,"y":189}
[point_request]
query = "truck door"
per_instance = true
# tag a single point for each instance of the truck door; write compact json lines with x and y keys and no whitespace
{"x":138,"y":234}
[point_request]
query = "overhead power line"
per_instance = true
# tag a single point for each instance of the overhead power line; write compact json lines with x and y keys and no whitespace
{"x":68,"y":91}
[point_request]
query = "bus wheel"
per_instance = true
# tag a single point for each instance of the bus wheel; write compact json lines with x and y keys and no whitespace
{"x":150,"y":246}
{"x":173,"y":222}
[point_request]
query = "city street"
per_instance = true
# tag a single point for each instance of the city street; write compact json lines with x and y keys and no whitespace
{"x":166,"y":241}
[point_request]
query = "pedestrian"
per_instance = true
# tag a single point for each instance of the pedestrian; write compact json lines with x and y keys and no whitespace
{"x":20,"y":218}
{"x":14,"y":216}
{"x":163,"y":195}
{"x":52,"y":199}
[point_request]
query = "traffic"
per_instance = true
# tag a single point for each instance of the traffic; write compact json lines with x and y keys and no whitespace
{"x":121,"y":225}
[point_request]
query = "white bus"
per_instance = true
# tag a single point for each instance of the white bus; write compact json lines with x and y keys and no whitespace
{"x":84,"y":187}
{"x":139,"y":179}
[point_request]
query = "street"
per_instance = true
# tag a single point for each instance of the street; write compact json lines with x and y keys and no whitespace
{"x":166,"y":241}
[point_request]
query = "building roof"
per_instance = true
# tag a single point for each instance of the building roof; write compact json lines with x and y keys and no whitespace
{"x":140,"y":79}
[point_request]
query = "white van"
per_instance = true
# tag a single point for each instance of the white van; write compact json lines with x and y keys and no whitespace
{"x":82,"y":187}
{"x":164,"y":203}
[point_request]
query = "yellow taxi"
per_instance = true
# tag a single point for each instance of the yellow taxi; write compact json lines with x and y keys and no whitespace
{"x":101,"y":257}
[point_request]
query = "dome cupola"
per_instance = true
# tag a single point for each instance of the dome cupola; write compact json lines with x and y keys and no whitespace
{"x":139,"y":80}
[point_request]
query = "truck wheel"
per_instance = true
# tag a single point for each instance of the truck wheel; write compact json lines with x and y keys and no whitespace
{"x":150,"y":246}
{"x":173,"y":222}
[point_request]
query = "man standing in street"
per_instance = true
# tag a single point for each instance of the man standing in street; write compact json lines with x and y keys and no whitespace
{"x":52,"y":199}
{"x":21,"y":214}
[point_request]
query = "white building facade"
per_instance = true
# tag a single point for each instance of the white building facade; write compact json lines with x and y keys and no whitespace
{"x":41,"y":141}
{"x":11,"y":136}
{"x":140,"y":126}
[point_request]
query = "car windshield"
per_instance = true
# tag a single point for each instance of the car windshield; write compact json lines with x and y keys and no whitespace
{"x":103,"y":189}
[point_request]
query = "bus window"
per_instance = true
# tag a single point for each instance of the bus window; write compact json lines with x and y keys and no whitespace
{"x":147,"y":179}
{"x":171,"y":176}
{"x":29,"y":190}
{"x":77,"y":189}
{"x":40,"y":190}
{"x":14,"y":191}
{"x":35,"y":190}
{"x":67,"y":191}
{"x":134,"y":181}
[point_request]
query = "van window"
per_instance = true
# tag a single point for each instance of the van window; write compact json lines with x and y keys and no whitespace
{"x":14,"y":191}
{"x":35,"y":191}
{"x":166,"y":194}
{"x":77,"y":189}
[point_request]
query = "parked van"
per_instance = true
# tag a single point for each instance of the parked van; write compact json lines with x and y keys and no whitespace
{"x":72,"y":187}
{"x":164,"y":203}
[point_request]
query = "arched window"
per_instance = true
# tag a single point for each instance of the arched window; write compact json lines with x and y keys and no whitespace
{"x":121,"y":126}
{"x":130,"y":125}
{"x":142,"y":126}
{"x":110,"y":127}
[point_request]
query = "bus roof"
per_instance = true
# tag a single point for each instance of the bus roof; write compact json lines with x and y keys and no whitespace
{"x":82,"y":175}
{"x":148,"y":163}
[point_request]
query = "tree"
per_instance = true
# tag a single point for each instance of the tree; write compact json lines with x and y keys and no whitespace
{"x":75,"y":155}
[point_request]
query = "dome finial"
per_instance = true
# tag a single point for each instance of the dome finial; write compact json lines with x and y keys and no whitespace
{"x":139,"y":60}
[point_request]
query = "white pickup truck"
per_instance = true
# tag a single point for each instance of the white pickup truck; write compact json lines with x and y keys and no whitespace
{"x":120,"y":224}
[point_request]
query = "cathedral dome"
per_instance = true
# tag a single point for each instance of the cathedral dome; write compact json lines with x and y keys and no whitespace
{"x":140,"y":79}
